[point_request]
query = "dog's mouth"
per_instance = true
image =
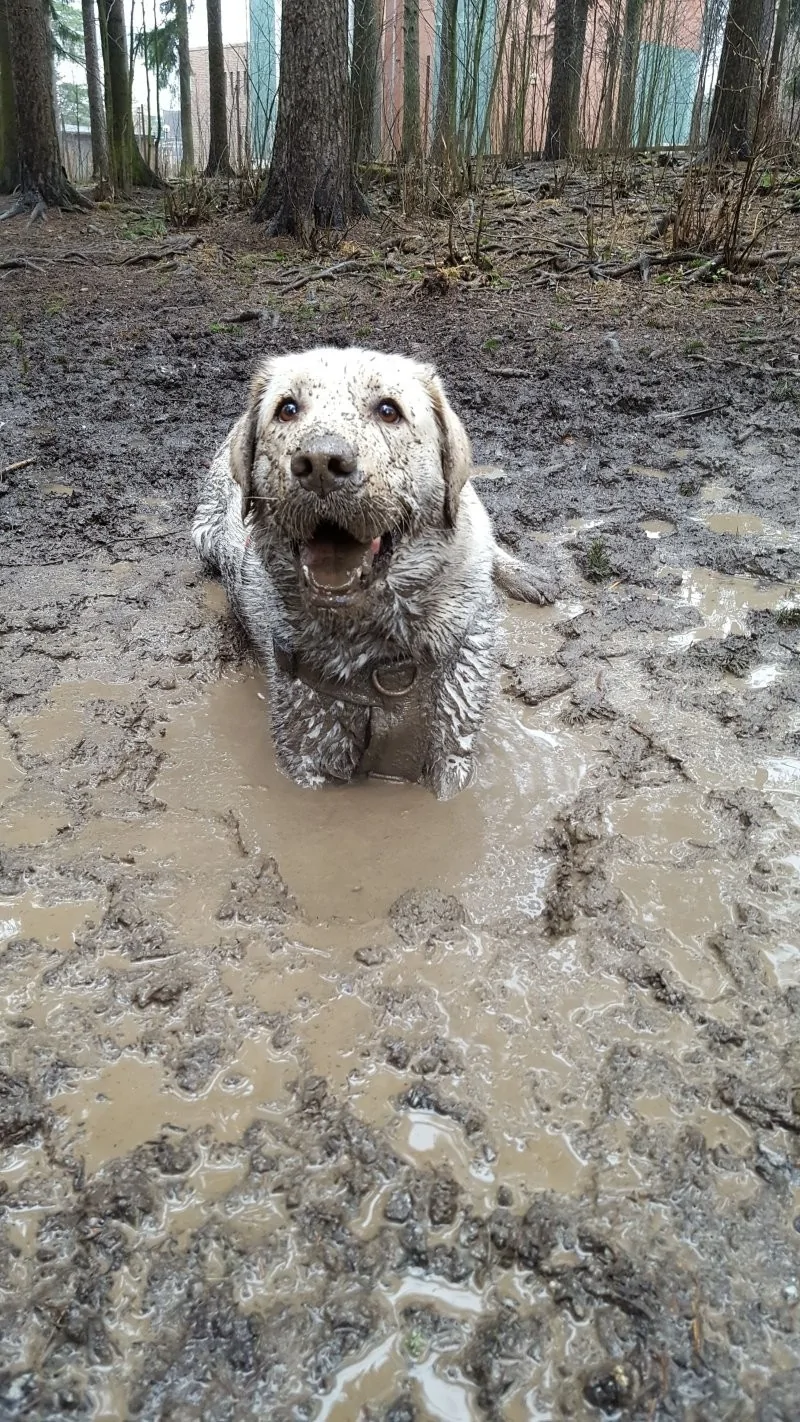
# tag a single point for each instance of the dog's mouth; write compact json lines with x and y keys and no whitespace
{"x":336,"y":568}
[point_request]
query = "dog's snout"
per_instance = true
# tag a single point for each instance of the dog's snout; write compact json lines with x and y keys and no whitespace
{"x":324,"y":465}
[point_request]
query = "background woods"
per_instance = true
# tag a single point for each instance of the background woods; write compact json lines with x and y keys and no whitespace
{"x":409,"y":82}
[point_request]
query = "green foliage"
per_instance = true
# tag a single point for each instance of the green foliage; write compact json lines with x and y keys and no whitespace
{"x":144,"y":227}
{"x":66,"y":29}
{"x":158,"y":47}
{"x":598,"y":567}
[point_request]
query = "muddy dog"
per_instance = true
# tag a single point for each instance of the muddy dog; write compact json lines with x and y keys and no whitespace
{"x":362,"y":566}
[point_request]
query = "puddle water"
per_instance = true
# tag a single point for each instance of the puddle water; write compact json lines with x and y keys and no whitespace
{"x":657,"y":528}
{"x":581,"y":525}
{"x":104,"y":1125}
{"x":739,"y":524}
{"x":522,"y":1021}
{"x":350,"y":852}
{"x":723,"y":601}
{"x":714,"y":493}
{"x":11,"y":773}
{"x":662,"y":816}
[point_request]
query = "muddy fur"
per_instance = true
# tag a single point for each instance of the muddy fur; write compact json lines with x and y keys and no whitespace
{"x":433,"y":601}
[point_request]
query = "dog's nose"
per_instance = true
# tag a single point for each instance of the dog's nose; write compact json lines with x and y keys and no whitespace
{"x":324,"y":465}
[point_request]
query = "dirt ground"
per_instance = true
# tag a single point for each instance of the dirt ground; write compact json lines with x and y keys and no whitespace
{"x":349,"y":1105}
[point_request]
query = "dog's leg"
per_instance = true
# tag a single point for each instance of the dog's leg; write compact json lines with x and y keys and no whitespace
{"x":316,"y":740}
{"x":518,"y":579}
{"x":463,"y":692}
{"x":218,"y":532}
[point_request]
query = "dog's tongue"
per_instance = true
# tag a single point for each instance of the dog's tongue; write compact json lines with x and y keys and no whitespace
{"x":333,"y":562}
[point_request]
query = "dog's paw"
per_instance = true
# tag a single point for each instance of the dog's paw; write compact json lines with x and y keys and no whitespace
{"x":520,"y":581}
{"x":528,"y":586}
{"x":453,"y":775}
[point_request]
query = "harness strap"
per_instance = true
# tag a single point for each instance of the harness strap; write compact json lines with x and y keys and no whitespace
{"x":394,"y":693}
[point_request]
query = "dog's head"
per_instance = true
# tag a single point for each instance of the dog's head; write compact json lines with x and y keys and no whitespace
{"x":342,"y":454}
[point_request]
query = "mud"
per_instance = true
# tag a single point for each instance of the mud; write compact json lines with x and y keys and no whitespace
{"x":353,"y":1105}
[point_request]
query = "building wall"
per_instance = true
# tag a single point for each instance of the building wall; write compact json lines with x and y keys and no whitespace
{"x":522,"y":36}
{"x":237,"y":101}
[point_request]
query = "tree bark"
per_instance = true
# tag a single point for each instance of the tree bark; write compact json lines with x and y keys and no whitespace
{"x":218,"y":152}
{"x":94,"y":86}
{"x":126,"y":163}
{"x":185,"y":78}
{"x":364,"y":80}
{"x":776,"y":62}
{"x":444,"y":128}
{"x":410,"y":141}
{"x":40,"y":173}
{"x":569,"y":41}
{"x":310,"y":183}
{"x":735,"y":103}
{"x":9,"y":159}
{"x":631,"y":35}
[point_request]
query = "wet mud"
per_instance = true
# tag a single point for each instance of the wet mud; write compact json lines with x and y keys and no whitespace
{"x":347,"y":1104}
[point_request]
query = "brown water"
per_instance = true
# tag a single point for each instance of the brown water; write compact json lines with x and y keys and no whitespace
{"x":526,"y":1023}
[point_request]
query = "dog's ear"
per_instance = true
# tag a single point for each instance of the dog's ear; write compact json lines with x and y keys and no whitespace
{"x":454,"y":444}
{"x":245,"y":438}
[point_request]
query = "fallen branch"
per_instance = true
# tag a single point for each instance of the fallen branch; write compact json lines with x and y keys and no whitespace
{"x":241,"y":317}
{"x":156,"y":254}
{"x":706,"y":269}
{"x":10,"y":263}
{"x":688,"y":414}
{"x":317,"y":274}
{"x":20,"y":464}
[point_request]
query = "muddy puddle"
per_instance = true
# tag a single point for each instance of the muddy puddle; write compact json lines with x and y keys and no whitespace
{"x":342,"y":860}
{"x":351,"y":1105}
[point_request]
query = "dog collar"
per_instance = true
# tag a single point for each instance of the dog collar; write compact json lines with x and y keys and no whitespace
{"x":393,"y":690}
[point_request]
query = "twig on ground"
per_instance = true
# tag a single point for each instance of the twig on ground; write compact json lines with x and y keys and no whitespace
{"x":156,"y":254}
{"x":317,"y":274}
{"x":10,"y":263}
{"x":706,"y":269}
{"x":239,"y":318}
{"x":688,"y":414}
{"x":19,"y":464}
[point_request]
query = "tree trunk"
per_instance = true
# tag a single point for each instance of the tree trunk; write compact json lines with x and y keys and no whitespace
{"x":125,"y":161}
{"x":631,"y":35}
{"x":776,"y":62}
{"x":40,"y":173}
{"x":310,"y":183}
{"x":410,"y":141}
{"x":218,"y":154}
{"x":185,"y":77}
{"x":364,"y":81}
{"x":9,"y":159}
{"x":444,"y":129}
{"x":733,"y":110}
{"x":94,"y":86}
{"x":569,"y":41}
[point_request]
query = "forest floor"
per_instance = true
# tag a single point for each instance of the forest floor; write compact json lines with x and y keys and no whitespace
{"x":353,"y":1105}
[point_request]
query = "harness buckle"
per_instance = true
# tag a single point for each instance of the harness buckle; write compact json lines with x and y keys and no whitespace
{"x":396,"y":692}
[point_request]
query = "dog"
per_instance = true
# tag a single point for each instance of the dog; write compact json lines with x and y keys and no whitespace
{"x":362,"y":565}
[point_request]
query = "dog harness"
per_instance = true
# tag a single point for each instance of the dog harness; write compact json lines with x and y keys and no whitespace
{"x":394,"y":691}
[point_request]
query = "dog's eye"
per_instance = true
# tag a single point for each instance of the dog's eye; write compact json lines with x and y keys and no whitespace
{"x":287,"y":410}
{"x":388,"y":412}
